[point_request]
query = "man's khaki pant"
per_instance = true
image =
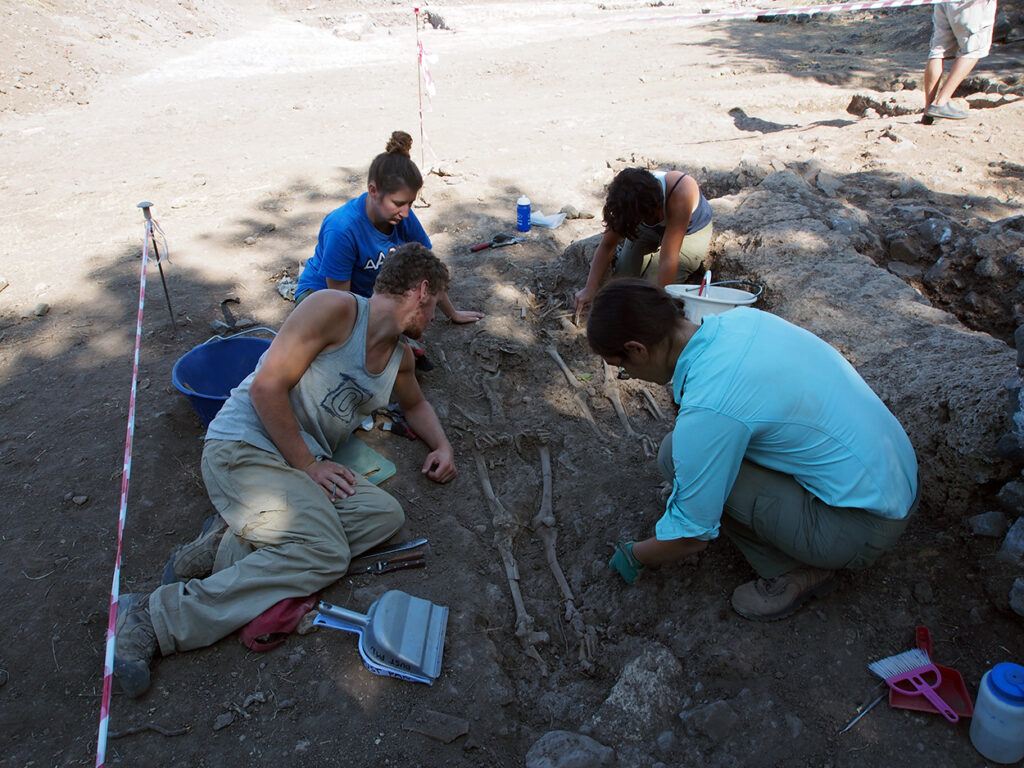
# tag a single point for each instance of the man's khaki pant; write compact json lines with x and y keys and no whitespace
{"x":286,"y":538}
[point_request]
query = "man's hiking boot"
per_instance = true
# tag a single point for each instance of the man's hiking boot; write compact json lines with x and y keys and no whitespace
{"x":134,"y":643}
{"x":771,"y":599}
{"x":195,"y":559}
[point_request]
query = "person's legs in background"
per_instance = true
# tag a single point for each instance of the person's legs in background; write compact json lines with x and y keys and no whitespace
{"x":967,"y":30}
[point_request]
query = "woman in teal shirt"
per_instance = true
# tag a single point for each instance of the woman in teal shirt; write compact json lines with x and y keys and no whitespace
{"x":778,"y":441}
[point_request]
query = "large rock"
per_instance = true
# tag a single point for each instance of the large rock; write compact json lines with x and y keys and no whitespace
{"x":645,"y":694}
{"x":564,"y":749}
{"x":944,"y":382}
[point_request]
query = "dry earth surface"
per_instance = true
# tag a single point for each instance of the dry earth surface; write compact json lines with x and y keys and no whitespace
{"x":245,"y":123}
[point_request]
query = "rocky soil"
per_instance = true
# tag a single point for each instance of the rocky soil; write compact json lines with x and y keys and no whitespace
{"x":245,"y":123}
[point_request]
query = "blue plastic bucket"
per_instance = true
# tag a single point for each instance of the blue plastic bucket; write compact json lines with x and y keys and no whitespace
{"x":207,"y":374}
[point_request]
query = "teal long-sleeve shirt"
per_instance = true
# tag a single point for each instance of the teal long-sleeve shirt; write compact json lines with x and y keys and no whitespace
{"x":752,"y":386}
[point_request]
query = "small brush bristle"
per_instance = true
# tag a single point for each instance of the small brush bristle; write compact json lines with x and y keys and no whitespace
{"x":900,"y":663}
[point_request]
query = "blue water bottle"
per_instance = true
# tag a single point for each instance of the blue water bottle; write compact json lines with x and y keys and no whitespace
{"x":523,"y":214}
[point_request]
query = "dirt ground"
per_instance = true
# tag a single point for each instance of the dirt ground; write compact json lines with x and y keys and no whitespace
{"x":244,"y":124}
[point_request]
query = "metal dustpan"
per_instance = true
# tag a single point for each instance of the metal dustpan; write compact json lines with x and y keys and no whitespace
{"x":399,"y":636}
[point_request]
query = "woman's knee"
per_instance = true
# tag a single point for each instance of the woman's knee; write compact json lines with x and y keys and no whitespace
{"x":393,"y":516}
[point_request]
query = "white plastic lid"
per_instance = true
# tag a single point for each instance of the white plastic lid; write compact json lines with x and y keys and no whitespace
{"x":524,"y":200}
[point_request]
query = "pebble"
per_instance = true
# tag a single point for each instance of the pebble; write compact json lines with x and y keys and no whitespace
{"x":829,"y":184}
{"x":795,"y":725}
{"x":842,"y":225}
{"x":223,"y":720}
{"x":902,"y":249}
{"x":1018,"y":335}
{"x":571,"y":212}
{"x":1017,"y":596}
{"x":666,"y":740}
{"x":564,"y":749}
{"x":306,"y":625}
{"x":992,"y":524}
{"x":923,"y":593}
{"x":1011,"y":497}
{"x":286,"y":287}
{"x":80,"y":500}
{"x":935,"y":231}
{"x":904,"y":270}
{"x":1012,"y":550}
{"x":715,"y":720}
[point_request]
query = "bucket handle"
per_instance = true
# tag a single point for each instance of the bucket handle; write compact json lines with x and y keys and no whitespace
{"x":271,"y":331}
{"x":746,"y":283}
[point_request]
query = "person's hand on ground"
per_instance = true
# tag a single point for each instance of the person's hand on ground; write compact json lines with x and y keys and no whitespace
{"x":336,"y":480}
{"x":583,"y":297}
{"x":624,"y":562}
{"x":440,"y":465}
{"x":460,"y":317}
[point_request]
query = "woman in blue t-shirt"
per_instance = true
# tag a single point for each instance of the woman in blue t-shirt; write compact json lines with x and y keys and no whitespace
{"x":356,"y":238}
{"x":657,"y":226}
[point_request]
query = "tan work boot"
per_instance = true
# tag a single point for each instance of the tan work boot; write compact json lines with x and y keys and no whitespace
{"x":195,"y":559}
{"x":771,"y":599}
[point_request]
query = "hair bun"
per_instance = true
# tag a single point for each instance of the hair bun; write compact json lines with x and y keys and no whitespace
{"x":400,"y":143}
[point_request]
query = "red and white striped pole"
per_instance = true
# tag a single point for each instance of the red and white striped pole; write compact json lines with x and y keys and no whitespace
{"x":108,"y":663}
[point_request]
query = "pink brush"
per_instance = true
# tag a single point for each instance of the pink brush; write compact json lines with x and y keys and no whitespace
{"x":912,"y":673}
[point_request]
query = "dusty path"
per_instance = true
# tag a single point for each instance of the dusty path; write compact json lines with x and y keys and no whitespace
{"x":255,"y":121}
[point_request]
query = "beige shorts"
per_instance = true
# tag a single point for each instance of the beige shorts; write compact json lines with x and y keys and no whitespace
{"x":962,"y":29}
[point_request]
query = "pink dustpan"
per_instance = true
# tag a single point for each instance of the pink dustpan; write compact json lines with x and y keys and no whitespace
{"x":951,"y":687}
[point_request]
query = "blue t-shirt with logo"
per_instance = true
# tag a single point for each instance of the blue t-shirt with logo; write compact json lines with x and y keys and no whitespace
{"x":351,"y":248}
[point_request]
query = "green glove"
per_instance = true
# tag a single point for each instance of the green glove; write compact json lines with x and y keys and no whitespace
{"x":624,"y":562}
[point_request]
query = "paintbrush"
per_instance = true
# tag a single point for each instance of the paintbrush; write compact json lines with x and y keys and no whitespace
{"x":705,"y":284}
{"x":913,"y":673}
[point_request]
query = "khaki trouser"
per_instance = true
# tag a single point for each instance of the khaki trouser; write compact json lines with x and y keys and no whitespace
{"x":779,"y":525}
{"x":286,"y":538}
{"x":640,"y":257}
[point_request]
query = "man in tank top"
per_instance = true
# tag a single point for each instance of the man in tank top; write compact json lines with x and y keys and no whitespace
{"x":294,"y":517}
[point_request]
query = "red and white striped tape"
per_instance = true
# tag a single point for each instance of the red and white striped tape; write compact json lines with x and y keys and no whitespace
{"x":426,"y":81}
{"x":115,"y":588}
{"x":753,"y":13}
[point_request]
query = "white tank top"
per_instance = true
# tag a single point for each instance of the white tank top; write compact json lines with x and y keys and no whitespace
{"x":334,"y":395}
